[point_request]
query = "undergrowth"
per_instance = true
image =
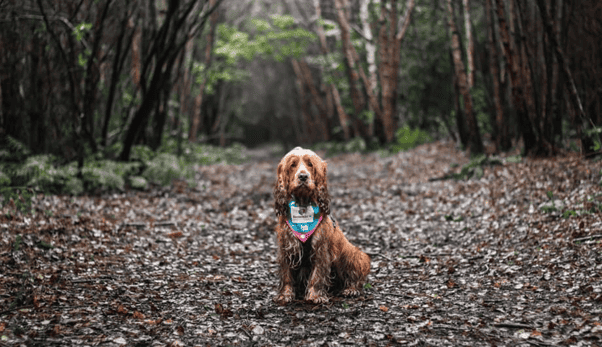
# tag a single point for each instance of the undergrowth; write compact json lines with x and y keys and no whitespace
{"x":406,"y":138}
{"x":23,"y":175}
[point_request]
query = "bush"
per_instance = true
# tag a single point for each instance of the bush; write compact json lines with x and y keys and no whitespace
{"x":138,"y":182}
{"x":40,"y":172}
{"x":165,"y":168}
{"x":4,"y":180}
{"x":357,"y":144}
{"x":106,"y":175}
{"x":21,"y":198}
{"x":474,"y":169}
{"x":406,"y":138}
{"x":201,"y":154}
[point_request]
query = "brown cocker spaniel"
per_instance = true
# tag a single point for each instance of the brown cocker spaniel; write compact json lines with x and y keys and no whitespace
{"x":313,"y":254}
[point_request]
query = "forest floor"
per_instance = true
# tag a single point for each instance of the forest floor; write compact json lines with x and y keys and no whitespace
{"x":513,"y":258}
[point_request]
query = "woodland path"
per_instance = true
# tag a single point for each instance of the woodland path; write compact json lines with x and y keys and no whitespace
{"x":489,"y":261}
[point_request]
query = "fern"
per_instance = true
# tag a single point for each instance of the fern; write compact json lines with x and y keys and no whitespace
{"x":17,"y":148}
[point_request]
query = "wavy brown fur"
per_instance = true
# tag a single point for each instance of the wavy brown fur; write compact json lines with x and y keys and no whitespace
{"x":327,"y":260}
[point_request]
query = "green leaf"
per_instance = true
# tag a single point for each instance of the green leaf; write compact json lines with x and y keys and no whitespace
{"x":45,"y":245}
{"x":514,"y":159}
{"x":82,"y":60}
{"x":261,"y":24}
{"x":138,"y":182}
{"x":80,"y":30}
{"x":569,"y":213}
{"x":548,"y":208}
{"x":283,"y":21}
{"x":17,"y":243}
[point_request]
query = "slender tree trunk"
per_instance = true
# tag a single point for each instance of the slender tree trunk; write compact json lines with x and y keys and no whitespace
{"x":196,"y":114}
{"x":343,"y":118}
{"x":136,"y":62}
{"x":390,"y":36}
{"x":304,"y":75}
{"x":502,"y":139}
{"x":388,"y":74}
{"x":317,"y":100}
{"x":185,"y":82}
{"x":525,"y":59}
{"x":92,"y":78}
{"x":138,"y":122}
{"x":352,"y":75}
{"x":469,"y":44}
{"x":474,"y":138}
{"x":460,"y":119}
{"x":116,"y":71}
{"x":370,"y":56}
{"x":512,"y":65}
{"x":572,"y":89}
{"x":304,"y":101}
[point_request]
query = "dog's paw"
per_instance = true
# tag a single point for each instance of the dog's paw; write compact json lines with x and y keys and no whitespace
{"x":350,"y":292}
{"x":282,"y":299}
{"x":315,"y":297}
{"x":287,"y":295}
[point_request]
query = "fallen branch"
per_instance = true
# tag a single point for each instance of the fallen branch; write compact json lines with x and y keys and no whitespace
{"x":398,"y":295}
{"x":514,"y":325}
{"x":587,"y":238}
{"x":14,"y":309}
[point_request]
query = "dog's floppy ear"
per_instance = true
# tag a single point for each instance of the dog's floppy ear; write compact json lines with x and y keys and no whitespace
{"x":280,"y":195}
{"x":322,"y":187}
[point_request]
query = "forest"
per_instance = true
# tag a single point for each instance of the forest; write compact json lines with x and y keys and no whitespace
{"x":96,"y":78}
{"x":139,"y":142}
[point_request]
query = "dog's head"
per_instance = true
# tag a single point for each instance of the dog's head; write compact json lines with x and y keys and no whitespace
{"x":302,"y":174}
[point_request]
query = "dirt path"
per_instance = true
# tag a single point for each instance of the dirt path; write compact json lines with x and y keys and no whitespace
{"x":478,"y":262}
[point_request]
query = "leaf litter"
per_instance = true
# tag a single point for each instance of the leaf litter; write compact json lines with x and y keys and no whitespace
{"x":512,"y":258}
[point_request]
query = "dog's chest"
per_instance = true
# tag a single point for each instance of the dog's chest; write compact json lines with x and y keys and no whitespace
{"x":306,"y":255}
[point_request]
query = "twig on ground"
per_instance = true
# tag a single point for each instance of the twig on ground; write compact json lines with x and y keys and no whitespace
{"x":246,"y":333}
{"x":398,"y":295}
{"x":513,"y":325}
{"x":587,"y":238}
{"x":14,"y":309}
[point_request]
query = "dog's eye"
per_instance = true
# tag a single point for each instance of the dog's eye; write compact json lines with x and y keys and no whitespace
{"x":310,"y":164}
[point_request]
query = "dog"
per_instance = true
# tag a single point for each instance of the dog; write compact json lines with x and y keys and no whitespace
{"x":314,"y":255}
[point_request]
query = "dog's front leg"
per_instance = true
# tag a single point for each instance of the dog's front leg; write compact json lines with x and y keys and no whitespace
{"x":286,"y":292}
{"x":319,"y":280}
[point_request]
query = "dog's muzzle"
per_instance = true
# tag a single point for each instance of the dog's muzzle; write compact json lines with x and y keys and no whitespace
{"x":303,"y":177}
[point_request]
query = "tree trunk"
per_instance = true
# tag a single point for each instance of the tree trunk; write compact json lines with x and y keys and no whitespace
{"x":343,"y":118}
{"x":390,"y":36}
{"x":502,"y":140}
{"x":469,"y":44}
{"x":196,"y":114}
{"x":308,"y":128}
{"x":460,"y":119}
{"x":572,"y":89}
{"x":370,"y":57}
{"x":388,"y":75}
{"x":317,"y":100}
{"x":474,"y":137}
{"x":305,"y":78}
{"x":138,"y":122}
{"x":116,"y":71}
{"x":533,"y":87}
{"x":356,"y":96}
{"x":512,"y":66}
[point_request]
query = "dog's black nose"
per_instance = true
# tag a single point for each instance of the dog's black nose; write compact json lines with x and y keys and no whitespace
{"x":303,"y":176}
